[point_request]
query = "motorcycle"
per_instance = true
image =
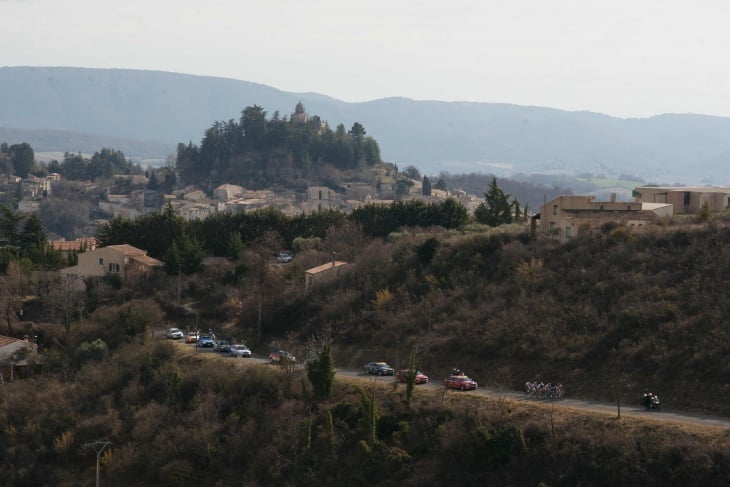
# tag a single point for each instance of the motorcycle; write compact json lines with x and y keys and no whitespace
{"x":651,"y":402}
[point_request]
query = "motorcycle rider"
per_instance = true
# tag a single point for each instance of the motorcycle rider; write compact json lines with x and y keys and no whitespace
{"x":646,"y":399}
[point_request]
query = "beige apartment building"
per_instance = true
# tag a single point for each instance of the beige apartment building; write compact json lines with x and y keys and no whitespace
{"x":687,"y":199}
{"x":124,"y":260}
{"x":566,"y":216}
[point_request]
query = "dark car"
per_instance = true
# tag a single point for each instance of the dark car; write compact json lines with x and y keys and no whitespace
{"x":379,"y":368}
{"x":419,"y":378}
{"x":460,"y":382}
{"x":222,"y":346}
{"x":206,"y":341}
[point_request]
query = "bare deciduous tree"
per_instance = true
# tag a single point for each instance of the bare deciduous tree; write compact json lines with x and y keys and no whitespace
{"x":12,"y":289}
{"x":64,"y":301}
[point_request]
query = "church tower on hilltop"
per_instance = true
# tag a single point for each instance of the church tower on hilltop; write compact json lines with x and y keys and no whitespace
{"x":299,"y":115}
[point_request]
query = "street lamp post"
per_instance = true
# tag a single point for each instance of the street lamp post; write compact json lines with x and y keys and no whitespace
{"x":99,"y":447}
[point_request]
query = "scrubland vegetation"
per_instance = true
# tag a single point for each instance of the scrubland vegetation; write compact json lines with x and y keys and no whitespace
{"x":616,"y":309}
{"x":175,"y":418}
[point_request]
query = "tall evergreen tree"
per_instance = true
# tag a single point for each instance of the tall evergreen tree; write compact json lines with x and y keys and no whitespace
{"x":426,"y":186}
{"x":253,"y":121}
{"x":23,"y":159}
{"x":10,"y":225}
{"x":321,"y":373}
{"x":496,"y":210}
{"x":33,"y":236}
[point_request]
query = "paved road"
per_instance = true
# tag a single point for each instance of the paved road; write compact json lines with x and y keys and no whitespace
{"x":628,"y":410}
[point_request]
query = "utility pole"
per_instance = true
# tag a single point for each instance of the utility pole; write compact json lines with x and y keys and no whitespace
{"x":98,"y":447}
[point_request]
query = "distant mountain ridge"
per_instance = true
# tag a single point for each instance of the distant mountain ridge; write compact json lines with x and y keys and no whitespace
{"x":147,"y":113}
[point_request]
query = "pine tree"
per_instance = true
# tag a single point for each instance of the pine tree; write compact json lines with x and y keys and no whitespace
{"x":321,"y":373}
{"x":496,"y":210}
{"x":426,"y":186}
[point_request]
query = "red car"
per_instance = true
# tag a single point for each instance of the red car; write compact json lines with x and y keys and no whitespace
{"x":192,"y":337}
{"x":281,"y":356}
{"x":420,"y":377}
{"x":460,"y":382}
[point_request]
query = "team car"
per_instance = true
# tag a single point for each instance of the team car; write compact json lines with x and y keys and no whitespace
{"x":379,"y":368}
{"x":460,"y":382}
{"x":419,"y":378}
{"x":281,"y":355}
{"x":240,"y":351}
{"x":174,"y":333}
{"x":192,"y":337}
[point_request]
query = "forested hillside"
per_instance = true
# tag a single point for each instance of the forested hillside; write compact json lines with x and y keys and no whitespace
{"x":646,"y":308}
{"x":260,"y":152}
{"x":615,"y":309}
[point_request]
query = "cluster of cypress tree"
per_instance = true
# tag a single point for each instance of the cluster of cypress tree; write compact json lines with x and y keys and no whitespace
{"x":259,"y":152}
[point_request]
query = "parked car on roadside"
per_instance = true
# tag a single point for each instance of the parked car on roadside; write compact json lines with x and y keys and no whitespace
{"x":222,"y":346}
{"x":419,"y":378}
{"x":284,"y":257}
{"x":281,"y":355}
{"x":174,"y":334}
{"x":192,"y":337}
{"x":460,"y":382}
{"x":240,"y":350}
{"x":379,"y":368}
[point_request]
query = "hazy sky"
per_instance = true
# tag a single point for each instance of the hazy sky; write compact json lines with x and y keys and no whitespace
{"x":624,"y":58}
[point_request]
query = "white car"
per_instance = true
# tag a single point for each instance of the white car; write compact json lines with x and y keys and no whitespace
{"x":240,"y":351}
{"x":284,"y":257}
{"x":174,"y":333}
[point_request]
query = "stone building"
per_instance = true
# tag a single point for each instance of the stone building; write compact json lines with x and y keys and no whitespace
{"x":566,"y":216}
{"x":688,"y":200}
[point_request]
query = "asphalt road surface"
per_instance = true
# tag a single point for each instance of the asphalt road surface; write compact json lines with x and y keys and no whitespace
{"x":628,"y":410}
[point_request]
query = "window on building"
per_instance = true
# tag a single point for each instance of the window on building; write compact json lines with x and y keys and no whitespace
{"x":555,"y":209}
{"x":552,"y":226}
{"x":101,"y":261}
{"x":568,"y":232}
{"x":113,"y":267}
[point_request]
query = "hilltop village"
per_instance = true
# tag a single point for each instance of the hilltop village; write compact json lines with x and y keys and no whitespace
{"x":562,"y":217}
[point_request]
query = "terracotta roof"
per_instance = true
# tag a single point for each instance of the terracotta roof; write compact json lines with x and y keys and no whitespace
{"x":147,"y":260}
{"x":7,"y":340}
{"x":78,"y":244}
{"x":127,"y":250}
{"x":325,"y":267}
